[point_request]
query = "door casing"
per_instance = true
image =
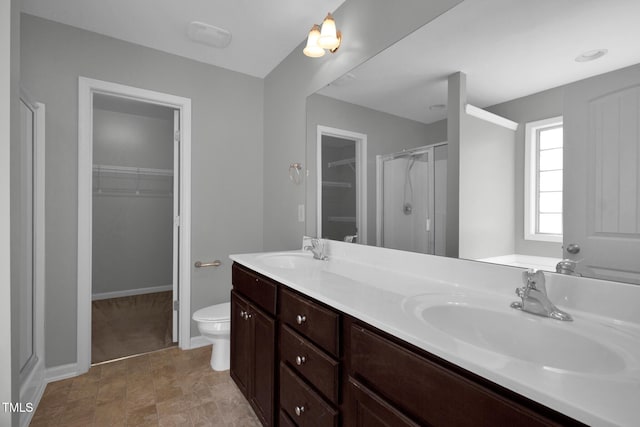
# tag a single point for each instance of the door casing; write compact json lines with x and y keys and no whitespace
{"x":87,"y":87}
{"x":361,"y":177}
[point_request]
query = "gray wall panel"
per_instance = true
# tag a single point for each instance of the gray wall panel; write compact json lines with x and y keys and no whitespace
{"x":227,"y":126}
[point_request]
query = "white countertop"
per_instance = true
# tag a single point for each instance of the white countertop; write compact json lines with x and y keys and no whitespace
{"x":386,"y":288}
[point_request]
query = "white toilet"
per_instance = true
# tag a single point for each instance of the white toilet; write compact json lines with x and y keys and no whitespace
{"x":214,"y":323}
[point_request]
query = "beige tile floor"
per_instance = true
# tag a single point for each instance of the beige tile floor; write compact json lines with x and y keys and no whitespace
{"x":167,"y":388}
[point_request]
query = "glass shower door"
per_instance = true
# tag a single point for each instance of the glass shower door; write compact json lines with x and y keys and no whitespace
{"x":410,"y":200}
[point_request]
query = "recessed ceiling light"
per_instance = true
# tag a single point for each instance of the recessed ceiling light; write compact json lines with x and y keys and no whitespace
{"x":591,"y":55}
{"x":437,"y":107}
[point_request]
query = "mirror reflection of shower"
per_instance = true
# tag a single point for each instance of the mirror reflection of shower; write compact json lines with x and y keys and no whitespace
{"x":407,"y":203}
{"x":411,"y":199}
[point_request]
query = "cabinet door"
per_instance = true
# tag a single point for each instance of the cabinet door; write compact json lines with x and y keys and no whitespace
{"x":240,"y":343}
{"x":366,"y":409}
{"x":264,"y":338}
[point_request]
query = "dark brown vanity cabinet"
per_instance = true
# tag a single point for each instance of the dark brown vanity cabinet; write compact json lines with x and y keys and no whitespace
{"x":333,"y":370}
{"x":309,"y":361}
{"x":390,"y":383}
{"x":253,"y":341}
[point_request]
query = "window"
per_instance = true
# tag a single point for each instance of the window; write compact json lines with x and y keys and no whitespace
{"x":543,"y":180}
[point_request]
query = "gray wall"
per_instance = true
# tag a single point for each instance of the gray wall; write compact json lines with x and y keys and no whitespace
{"x":9,"y":144}
{"x":386,"y":134}
{"x":368,"y":27}
{"x":486,"y":189}
{"x":227,"y":152}
{"x":538,"y":106}
{"x":132,"y":234}
{"x":134,"y":140}
{"x":456,"y":100}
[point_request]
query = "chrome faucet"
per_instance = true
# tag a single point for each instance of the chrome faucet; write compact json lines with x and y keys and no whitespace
{"x":534,"y":297}
{"x":567,"y":266}
{"x":350,"y":238}
{"x":317,"y":248}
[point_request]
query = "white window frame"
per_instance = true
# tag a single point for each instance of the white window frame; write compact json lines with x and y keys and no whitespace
{"x":530,"y":180}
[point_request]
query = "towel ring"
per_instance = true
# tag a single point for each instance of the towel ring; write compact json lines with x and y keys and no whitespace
{"x":294,"y":173}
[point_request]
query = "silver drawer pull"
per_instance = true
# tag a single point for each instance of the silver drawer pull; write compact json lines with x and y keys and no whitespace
{"x":299,"y":410}
{"x":300,"y":360}
{"x":300,"y":319}
{"x":200,"y":264}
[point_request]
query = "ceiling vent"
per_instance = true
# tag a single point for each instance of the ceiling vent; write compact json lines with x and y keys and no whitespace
{"x":208,"y":34}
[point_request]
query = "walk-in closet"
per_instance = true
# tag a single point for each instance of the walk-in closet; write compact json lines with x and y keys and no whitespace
{"x":132,"y":227}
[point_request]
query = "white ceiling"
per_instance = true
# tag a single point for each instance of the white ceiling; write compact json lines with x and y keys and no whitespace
{"x":507,"y":48}
{"x":263,"y":32}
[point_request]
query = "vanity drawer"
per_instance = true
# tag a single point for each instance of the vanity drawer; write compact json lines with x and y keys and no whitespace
{"x":310,"y":319}
{"x":310,"y":362}
{"x":370,"y":410}
{"x":285,"y":421}
{"x":258,"y":289}
{"x":302,"y":404}
{"x":427,"y":391}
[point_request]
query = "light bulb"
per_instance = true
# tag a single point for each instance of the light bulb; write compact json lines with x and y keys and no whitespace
{"x":312,"y":49}
{"x":329,"y":35}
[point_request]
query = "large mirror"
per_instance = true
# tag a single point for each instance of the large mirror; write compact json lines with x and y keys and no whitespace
{"x":503,"y":131}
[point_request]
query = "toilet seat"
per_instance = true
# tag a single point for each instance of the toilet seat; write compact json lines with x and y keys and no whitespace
{"x":214,"y":313}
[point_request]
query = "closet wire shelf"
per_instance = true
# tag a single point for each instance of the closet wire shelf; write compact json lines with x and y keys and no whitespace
{"x":111,"y":180}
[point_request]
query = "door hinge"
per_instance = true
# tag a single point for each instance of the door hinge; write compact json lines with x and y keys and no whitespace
{"x":176,"y":136}
{"x":176,"y":221}
{"x":176,"y":305}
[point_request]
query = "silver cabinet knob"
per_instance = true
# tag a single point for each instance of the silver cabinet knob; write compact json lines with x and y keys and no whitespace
{"x":300,"y":360}
{"x":573,"y":248}
{"x":300,"y":319}
{"x":243,"y":313}
{"x":299,"y":410}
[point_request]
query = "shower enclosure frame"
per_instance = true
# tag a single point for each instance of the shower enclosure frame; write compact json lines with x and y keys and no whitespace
{"x":380,"y":159}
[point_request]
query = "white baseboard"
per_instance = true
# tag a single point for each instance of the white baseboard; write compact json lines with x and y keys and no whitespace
{"x":130,"y":292}
{"x":199,"y":341}
{"x":62,"y":372}
{"x":31,"y":392}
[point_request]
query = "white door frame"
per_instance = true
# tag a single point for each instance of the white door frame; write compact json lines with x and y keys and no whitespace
{"x":87,"y":87}
{"x":361,"y":177}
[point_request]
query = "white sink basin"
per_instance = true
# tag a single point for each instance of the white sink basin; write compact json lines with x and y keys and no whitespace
{"x":289,"y":260}
{"x":552,"y":344}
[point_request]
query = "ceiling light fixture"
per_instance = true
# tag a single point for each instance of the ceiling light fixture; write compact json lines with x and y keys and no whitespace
{"x":209,"y":34}
{"x":591,"y":55}
{"x":321,"y":38}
